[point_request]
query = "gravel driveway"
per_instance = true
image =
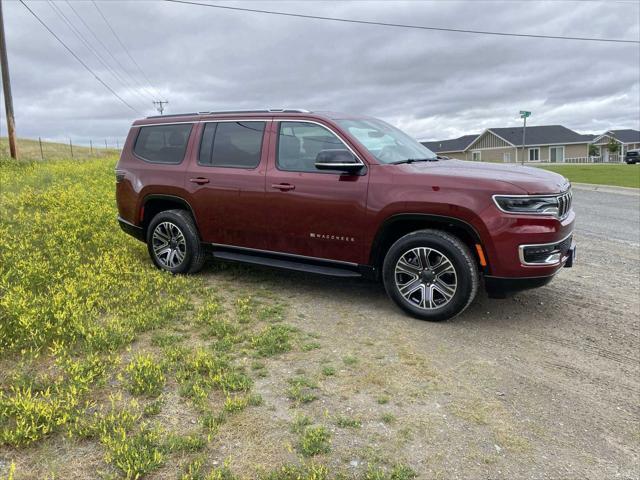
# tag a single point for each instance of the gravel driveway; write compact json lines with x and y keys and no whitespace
{"x":542,"y":385}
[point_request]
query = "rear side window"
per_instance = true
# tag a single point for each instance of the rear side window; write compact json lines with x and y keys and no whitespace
{"x":163,"y":143}
{"x":231,"y":144}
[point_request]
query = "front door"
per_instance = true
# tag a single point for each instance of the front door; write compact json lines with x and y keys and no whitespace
{"x":556,"y":154}
{"x":227,"y":182}
{"x":313,"y":213}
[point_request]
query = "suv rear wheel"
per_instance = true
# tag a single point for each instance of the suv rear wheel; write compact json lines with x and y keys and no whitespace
{"x":430,"y":274}
{"x":173,"y":242}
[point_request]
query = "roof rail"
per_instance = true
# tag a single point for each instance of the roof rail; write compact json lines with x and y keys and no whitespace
{"x":264,"y":110}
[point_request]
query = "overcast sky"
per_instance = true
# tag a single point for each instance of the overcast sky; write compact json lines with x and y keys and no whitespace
{"x":435,"y":85}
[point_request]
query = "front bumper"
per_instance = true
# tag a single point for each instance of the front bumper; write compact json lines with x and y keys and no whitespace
{"x":502,"y":287}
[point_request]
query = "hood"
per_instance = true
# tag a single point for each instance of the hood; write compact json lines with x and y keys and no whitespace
{"x":530,"y":179}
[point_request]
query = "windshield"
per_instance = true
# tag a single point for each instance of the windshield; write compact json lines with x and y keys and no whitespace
{"x":388,"y":144}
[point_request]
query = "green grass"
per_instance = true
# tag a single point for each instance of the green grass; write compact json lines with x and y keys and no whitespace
{"x":314,"y":441}
{"x":348,"y":422}
{"x":144,"y":376}
{"x":29,"y":150}
{"x":97,"y":345}
{"x":615,"y":175}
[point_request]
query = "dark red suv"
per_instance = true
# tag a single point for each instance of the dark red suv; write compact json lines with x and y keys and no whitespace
{"x":340,"y":195}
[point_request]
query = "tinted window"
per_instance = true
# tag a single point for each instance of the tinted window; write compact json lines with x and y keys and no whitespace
{"x":231,"y":144}
{"x":163,"y":143}
{"x":299,"y":144}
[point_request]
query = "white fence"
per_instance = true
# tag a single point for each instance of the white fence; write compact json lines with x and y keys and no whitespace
{"x":601,"y":159}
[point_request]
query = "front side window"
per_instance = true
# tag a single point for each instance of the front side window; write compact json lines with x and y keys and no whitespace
{"x":163,"y":143}
{"x":476,"y":156}
{"x":231,"y":144}
{"x":534,"y":154}
{"x":299,"y":144}
{"x":388,"y":144}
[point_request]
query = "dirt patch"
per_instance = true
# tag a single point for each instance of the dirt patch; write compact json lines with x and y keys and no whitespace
{"x":544,"y":384}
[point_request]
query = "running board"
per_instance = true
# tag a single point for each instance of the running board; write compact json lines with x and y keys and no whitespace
{"x":286,"y":264}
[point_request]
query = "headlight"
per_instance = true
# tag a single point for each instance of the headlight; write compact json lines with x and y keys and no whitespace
{"x":540,"y":205}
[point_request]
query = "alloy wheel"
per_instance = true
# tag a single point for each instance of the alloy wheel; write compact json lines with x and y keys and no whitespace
{"x":426,"y":278}
{"x":169,"y":245}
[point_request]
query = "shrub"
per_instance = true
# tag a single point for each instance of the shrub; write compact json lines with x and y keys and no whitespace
{"x":314,"y":441}
{"x":144,"y":376}
{"x":273,"y":340}
{"x":134,"y":454}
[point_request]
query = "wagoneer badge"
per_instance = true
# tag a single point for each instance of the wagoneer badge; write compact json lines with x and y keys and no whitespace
{"x":341,"y":238}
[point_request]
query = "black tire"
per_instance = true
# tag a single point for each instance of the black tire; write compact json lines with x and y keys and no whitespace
{"x":439,"y":245}
{"x":191,"y":250}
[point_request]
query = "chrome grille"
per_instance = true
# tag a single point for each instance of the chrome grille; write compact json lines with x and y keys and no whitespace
{"x":564,"y":203}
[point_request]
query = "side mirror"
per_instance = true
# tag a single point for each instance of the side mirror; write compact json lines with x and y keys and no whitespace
{"x":342,"y":160}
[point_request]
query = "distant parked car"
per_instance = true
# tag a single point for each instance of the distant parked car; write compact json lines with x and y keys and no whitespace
{"x":632,"y":156}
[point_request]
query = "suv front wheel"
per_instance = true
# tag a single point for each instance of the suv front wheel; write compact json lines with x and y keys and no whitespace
{"x":430,"y":274}
{"x":173,"y":242}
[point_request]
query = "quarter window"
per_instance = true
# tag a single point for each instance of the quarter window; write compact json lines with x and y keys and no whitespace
{"x":163,"y":143}
{"x":231,"y":144}
{"x":299,"y":144}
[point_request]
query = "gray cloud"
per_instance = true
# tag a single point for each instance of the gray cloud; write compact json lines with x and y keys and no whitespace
{"x":433,"y":84}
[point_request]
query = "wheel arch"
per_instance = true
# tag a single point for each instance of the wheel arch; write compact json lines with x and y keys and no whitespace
{"x":156,"y":203}
{"x":399,"y":225}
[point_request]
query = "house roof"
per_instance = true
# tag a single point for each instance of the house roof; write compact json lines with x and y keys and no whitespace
{"x":453,"y":145}
{"x":541,"y":135}
{"x":627,"y":135}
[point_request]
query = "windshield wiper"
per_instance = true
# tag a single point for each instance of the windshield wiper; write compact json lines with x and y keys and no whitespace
{"x":414,"y":160}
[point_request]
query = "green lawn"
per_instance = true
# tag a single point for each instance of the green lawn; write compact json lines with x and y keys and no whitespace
{"x":622,"y":175}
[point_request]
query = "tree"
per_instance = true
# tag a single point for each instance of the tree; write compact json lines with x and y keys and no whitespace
{"x":594,"y":151}
{"x":613,"y":146}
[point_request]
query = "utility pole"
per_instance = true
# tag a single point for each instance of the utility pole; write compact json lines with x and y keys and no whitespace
{"x":159,"y":104}
{"x":524,"y":114}
{"x":6,"y":85}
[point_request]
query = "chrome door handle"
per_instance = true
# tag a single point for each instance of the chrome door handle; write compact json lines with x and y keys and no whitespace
{"x":199,"y":180}
{"x":283,"y":187}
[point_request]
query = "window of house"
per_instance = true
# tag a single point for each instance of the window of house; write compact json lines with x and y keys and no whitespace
{"x":476,"y":156}
{"x":534,"y":154}
{"x":163,"y":143}
{"x":299,"y":144}
{"x":556,"y":154}
{"x":231,"y":144}
{"x":506,"y":157}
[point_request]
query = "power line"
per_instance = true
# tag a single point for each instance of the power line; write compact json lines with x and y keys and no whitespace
{"x":79,"y":59}
{"x":400,"y":25}
{"x":124,"y":47}
{"x":108,"y":50}
{"x":92,"y":50}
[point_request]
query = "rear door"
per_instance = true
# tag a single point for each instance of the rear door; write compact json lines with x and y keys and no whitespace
{"x":313,"y":213}
{"x":226,"y":180}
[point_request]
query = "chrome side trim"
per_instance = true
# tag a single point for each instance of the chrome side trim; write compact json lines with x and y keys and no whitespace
{"x":291,"y":255}
{"x":544,"y":264}
{"x":162,"y":124}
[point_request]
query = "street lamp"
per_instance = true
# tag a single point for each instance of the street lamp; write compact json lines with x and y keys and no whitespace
{"x":524,"y":114}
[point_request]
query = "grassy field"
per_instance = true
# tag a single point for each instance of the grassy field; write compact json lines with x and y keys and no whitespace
{"x":622,"y":175}
{"x":110,"y":368}
{"x":30,"y":150}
